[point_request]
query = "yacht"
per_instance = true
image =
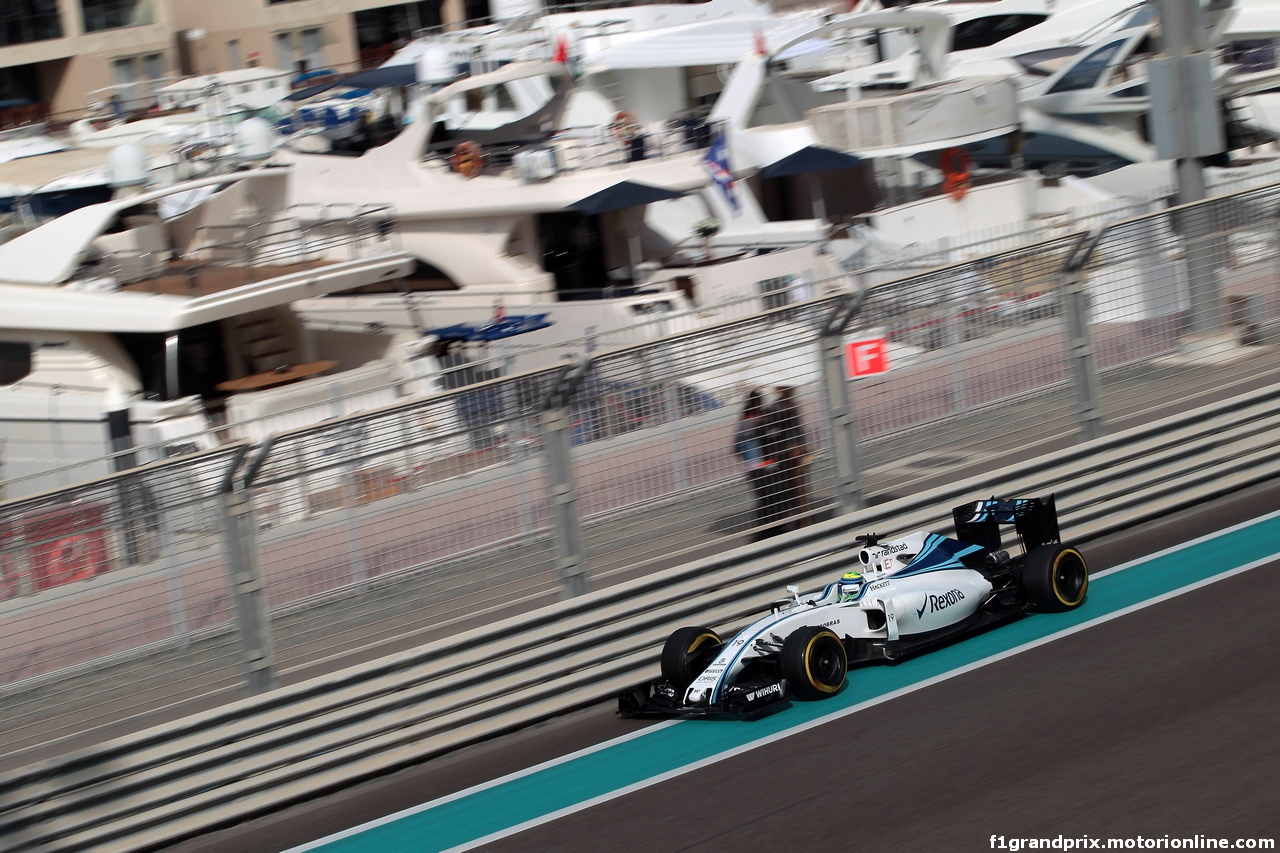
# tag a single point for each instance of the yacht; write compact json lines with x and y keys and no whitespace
{"x":161,"y":322}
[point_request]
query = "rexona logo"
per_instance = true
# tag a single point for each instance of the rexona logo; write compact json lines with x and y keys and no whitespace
{"x":765,"y":692}
{"x":934,"y":603}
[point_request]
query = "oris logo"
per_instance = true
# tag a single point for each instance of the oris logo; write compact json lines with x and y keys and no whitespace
{"x":934,"y":603}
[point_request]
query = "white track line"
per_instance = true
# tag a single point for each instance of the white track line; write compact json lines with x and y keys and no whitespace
{"x":519,"y":774}
{"x":844,"y":712}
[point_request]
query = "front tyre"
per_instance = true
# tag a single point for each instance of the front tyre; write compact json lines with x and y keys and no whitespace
{"x":1055,"y":578}
{"x":813,"y":662}
{"x":687,"y":653}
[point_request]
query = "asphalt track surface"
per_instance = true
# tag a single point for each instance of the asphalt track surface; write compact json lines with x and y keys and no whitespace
{"x":1159,"y":722}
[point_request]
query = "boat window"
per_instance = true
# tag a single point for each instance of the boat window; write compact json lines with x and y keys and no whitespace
{"x":15,"y":362}
{"x":1086,"y":72}
{"x":660,"y":306}
{"x":775,"y":291}
{"x":1137,"y":90}
{"x":201,"y":361}
{"x":984,"y":32}
{"x":1140,"y":18}
{"x":503,"y":98}
{"x":1252,"y":55}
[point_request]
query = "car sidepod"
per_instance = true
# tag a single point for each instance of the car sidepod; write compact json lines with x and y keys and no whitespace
{"x":920,"y":604}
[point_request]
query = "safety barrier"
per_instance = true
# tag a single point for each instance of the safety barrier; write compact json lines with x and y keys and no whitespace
{"x":258,"y":754}
{"x":355,"y":536}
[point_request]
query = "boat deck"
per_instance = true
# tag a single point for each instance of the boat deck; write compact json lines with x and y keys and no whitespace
{"x":183,"y":279}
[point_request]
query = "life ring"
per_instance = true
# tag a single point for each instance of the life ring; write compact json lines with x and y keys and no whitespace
{"x":624,"y":127}
{"x":956,"y":177}
{"x":467,"y":159}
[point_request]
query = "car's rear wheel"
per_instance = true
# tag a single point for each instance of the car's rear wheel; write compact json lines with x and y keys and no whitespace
{"x":1055,"y":578}
{"x":814,"y":663}
{"x":687,"y":653}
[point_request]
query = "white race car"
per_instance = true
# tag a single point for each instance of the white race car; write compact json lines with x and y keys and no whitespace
{"x":900,"y":596}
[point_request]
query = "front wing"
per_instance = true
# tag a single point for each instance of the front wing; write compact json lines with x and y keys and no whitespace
{"x":659,"y":700}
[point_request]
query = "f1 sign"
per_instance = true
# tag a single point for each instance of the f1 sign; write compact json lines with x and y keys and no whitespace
{"x":867,"y":358}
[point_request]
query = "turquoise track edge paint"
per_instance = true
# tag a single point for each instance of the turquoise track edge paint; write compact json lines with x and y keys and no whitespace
{"x":527,"y":798}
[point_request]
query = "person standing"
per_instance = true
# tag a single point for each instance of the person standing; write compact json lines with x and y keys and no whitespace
{"x":787,"y":447}
{"x":748,"y":445}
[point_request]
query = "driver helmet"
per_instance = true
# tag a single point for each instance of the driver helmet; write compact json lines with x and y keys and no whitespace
{"x":850,"y":586}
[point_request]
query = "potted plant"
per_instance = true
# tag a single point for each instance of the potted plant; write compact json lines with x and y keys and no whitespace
{"x":706,"y":229}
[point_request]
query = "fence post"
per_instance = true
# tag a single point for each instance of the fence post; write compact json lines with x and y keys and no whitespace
{"x":557,"y":439}
{"x":835,"y":391}
{"x":248,"y":594}
{"x":1079,"y":341}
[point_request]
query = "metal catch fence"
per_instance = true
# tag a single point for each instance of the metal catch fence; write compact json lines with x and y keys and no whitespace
{"x":370,"y":533}
{"x":116,"y":599}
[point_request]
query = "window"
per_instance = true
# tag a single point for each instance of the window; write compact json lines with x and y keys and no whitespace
{"x":378,"y":31}
{"x":776,"y":292}
{"x":984,"y":32}
{"x":15,"y":362}
{"x":1085,"y":74}
{"x":503,"y":98}
{"x":234,"y":59}
{"x":136,"y":78}
{"x":1137,"y":90}
{"x":113,"y":14}
{"x":30,"y":20}
{"x":300,"y":50}
{"x":284,"y":50}
{"x":313,"y":49}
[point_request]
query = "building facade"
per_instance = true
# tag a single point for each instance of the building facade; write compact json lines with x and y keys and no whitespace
{"x":61,"y":57}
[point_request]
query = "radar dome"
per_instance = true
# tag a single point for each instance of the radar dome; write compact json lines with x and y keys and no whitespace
{"x":255,"y":140}
{"x":127,"y":166}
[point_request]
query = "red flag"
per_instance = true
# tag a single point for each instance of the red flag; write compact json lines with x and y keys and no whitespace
{"x":562,"y":50}
{"x":761,"y":48}
{"x":499,"y":311}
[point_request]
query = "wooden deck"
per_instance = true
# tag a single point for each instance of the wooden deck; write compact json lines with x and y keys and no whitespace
{"x":182,"y":279}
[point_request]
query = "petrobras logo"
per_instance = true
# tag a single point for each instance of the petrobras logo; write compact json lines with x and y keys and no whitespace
{"x":765,"y":692}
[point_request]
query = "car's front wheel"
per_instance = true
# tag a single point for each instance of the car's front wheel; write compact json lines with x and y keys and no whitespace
{"x":813,"y":662}
{"x":687,"y":653}
{"x":1055,"y":578}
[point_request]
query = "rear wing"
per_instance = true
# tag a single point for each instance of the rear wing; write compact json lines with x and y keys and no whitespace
{"x":1035,"y":520}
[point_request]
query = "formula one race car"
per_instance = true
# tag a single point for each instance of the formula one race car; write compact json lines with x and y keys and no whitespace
{"x":901,"y":596}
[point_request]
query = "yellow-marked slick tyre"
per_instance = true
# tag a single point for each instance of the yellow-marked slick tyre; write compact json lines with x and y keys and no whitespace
{"x":1055,"y":578}
{"x":814,"y":663}
{"x":687,"y":653}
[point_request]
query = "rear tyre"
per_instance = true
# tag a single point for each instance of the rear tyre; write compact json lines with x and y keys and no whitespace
{"x":1055,"y":578}
{"x":813,"y":662}
{"x":687,"y":653}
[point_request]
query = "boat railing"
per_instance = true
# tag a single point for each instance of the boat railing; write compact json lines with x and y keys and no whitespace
{"x":521,"y":23}
{"x":576,"y":149}
{"x":607,"y":146}
{"x":130,"y":98}
{"x":223,"y":255}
